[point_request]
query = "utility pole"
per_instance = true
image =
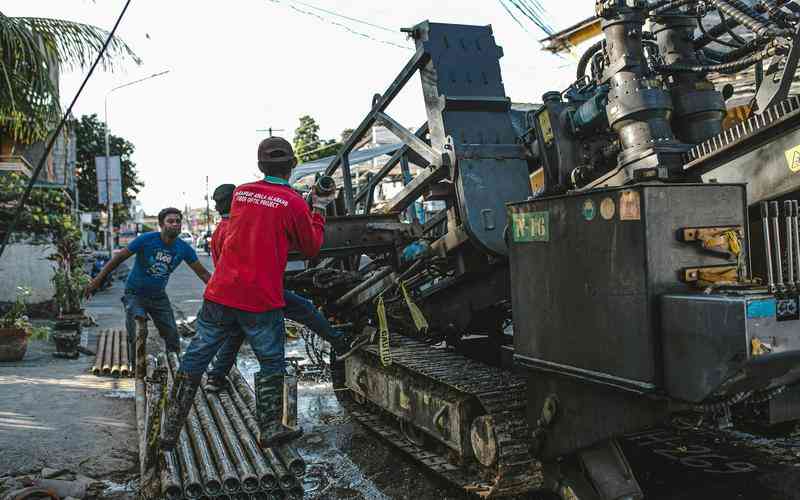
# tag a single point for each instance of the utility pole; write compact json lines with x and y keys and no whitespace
{"x":110,"y":226}
{"x":270,"y":130}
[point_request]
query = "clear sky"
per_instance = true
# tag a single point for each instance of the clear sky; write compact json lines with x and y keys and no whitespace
{"x":244,"y":65}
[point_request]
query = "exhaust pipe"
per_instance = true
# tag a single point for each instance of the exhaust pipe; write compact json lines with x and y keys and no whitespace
{"x":767,"y":246}
{"x":776,"y":226}
{"x":789,"y":217}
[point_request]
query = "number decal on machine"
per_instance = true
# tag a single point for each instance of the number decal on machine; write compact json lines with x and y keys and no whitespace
{"x":793,"y":158}
{"x":531,"y":226}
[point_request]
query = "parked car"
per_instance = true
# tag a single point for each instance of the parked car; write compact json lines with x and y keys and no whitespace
{"x":188,"y":238}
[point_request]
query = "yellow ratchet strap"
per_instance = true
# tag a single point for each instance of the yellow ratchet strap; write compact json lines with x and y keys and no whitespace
{"x":416,"y":314}
{"x":383,"y":333}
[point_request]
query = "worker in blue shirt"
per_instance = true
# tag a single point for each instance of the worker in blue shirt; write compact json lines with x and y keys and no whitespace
{"x":158,"y":254}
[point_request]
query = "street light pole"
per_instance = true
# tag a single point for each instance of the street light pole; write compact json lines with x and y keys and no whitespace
{"x":109,"y":205}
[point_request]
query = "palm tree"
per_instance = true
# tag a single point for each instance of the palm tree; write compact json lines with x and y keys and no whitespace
{"x":32,"y":50}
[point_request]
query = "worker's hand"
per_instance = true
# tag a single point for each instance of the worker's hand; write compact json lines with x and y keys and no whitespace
{"x":91,"y":288}
{"x":321,"y":202}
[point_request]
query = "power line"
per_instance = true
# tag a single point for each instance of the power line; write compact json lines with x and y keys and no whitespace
{"x":384,"y":28}
{"x":289,"y":3}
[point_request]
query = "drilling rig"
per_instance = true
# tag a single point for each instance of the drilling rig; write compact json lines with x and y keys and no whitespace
{"x":604,"y":261}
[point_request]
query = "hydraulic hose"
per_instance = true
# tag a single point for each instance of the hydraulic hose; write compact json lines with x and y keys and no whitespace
{"x":713,"y":32}
{"x":744,"y":15}
{"x":586,"y":57}
{"x":729,"y":67}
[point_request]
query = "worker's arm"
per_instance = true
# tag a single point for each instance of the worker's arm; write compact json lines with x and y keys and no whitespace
{"x":307,"y":230}
{"x":200,"y":270}
{"x":112,"y":264}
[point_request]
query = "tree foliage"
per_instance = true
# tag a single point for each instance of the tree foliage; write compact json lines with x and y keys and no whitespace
{"x":47,"y":212}
{"x":33,"y":50}
{"x":307,"y":144}
{"x":90,"y":138}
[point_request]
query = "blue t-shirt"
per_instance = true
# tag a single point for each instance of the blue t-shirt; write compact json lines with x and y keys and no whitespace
{"x":155,"y":261}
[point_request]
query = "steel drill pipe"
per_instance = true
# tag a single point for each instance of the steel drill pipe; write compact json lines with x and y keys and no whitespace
{"x":292,"y":460}
{"x":190,"y":476}
{"x":100,"y":352}
{"x":295,"y":492}
{"x":115,"y":354}
{"x":212,"y":484}
{"x":107,"y":354}
{"x":141,"y":418}
{"x":284,"y":477}
{"x":150,"y":486}
{"x":230,"y":480}
{"x":260,"y":495}
{"x":171,"y":484}
{"x":125,"y":367}
{"x":265,"y":475}
{"x":247,"y":476}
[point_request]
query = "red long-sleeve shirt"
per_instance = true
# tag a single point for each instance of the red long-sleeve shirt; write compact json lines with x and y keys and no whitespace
{"x":267,"y":219}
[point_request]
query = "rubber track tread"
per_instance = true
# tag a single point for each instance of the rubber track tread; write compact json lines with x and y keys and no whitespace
{"x":502,"y":395}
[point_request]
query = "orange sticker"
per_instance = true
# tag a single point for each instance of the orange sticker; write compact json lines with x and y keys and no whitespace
{"x":629,"y":206}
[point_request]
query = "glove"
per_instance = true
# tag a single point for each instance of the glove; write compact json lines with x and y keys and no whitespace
{"x":321,"y":202}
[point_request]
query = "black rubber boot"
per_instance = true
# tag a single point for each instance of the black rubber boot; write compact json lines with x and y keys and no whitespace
{"x":269,"y":412}
{"x":349,"y":343}
{"x":180,"y":402}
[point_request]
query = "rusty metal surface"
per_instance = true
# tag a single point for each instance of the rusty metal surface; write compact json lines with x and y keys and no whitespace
{"x":100,"y":353}
{"x":247,"y":476}
{"x":115,"y":354}
{"x":109,"y":346}
{"x":501,"y":395}
{"x":124,"y":362}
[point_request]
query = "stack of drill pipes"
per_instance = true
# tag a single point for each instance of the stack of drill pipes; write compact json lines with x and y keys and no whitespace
{"x":125,"y":367}
{"x":115,"y":354}
{"x":262,"y":469}
{"x":100,"y":353}
{"x":106,"y":368}
{"x":245,"y":399}
{"x":247,"y":476}
{"x":171,"y":487}
{"x":212,"y":485}
{"x":293,"y":461}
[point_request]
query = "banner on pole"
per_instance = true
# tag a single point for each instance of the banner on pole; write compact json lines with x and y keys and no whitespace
{"x":114,"y":175}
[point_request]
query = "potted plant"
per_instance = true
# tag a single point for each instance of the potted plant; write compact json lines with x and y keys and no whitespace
{"x":69,"y":282}
{"x":15,"y":329}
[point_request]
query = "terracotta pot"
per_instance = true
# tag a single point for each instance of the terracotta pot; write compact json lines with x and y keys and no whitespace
{"x":13,"y":344}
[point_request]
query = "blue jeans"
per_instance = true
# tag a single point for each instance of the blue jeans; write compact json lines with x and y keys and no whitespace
{"x":298,"y":309}
{"x":265,"y":331}
{"x":159,"y":308}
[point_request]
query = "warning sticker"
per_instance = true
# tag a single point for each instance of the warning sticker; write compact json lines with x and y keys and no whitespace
{"x":530,"y":226}
{"x":629,"y":206}
{"x":588,"y":210}
{"x":793,"y":158}
{"x":608,"y":208}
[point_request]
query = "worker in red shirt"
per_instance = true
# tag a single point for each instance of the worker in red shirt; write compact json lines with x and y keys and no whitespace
{"x":297,"y":308}
{"x":223,"y":196}
{"x":246,"y":290}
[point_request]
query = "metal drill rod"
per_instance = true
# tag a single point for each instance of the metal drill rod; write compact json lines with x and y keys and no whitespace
{"x":125,"y":366}
{"x":230,"y":480}
{"x":100,"y":353}
{"x":115,"y":354}
{"x":788,"y":214}
{"x":156,"y":398}
{"x":171,"y":484}
{"x":106,"y":369}
{"x":796,"y":228}
{"x":247,"y":475}
{"x":293,"y":461}
{"x":212,"y":484}
{"x":189,"y":474}
{"x":141,"y":348}
{"x":248,"y":439}
{"x":284,"y":477}
{"x":295,"y":492}
{"x":776,"y":227}
{"x":767,"y":245}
